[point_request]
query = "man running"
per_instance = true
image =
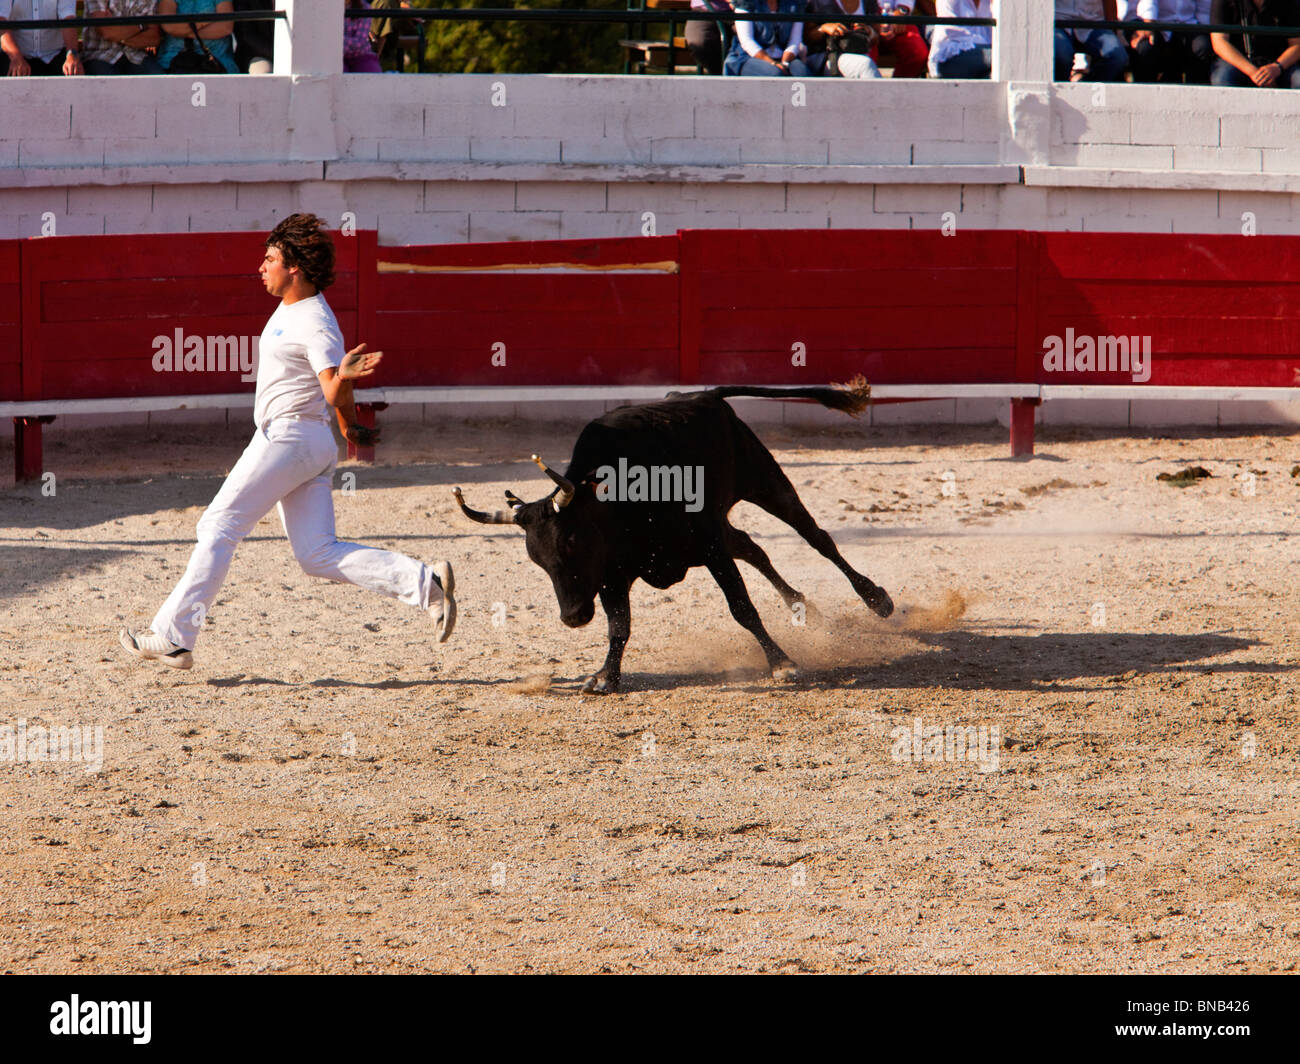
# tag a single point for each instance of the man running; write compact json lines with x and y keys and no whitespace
{"x":302,"y":372}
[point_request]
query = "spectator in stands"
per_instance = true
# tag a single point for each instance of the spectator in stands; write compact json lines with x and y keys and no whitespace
{"x":215,"y":35}
{"x":1169,"y":57}
{"x":1089,"y":55}
{"x":962,"y":51}
{"x":908,"y":47}
{"x":358,"y":53}
{"x":704,"y":38}
{"x":1244,"y":59}
{"x":255,"y":41}
{"x":850,"y":40}
{"x":768,"y":49}
{"x":121,"y":49}
{"x":39,"y":52}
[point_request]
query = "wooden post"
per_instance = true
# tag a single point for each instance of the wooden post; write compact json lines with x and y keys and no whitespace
{"x":29,"y":455}
{"x":1022,"y":427}
{"x":366,"y":417}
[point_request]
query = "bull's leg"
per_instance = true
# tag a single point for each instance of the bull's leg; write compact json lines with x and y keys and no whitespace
{"x":618,"y":611}
{"x":779,"y":498}
{"x":728,"y":577}
{"x":744,"y":549}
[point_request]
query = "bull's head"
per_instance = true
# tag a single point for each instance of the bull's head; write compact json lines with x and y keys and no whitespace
{"x":564,"y":534}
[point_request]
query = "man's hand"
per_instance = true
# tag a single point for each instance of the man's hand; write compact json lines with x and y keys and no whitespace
{"x":358,"y":363}
{"x":1266,"y":75}
{"x":1143,"y":35}
{"x":19,"y":67}
{"x":833,"y":29}
{"x":361,"y":435}
{"x":72,"y":65}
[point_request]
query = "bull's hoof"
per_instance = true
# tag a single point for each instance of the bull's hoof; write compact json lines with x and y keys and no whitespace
{"x":881,"y":603}
{"x":786,"y":673}
{"x":600,"y":685}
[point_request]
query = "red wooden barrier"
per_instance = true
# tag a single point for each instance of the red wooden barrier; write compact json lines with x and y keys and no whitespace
{"x":83,"y":317}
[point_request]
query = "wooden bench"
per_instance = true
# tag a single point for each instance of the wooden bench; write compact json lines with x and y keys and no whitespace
{"x":650,"y":56}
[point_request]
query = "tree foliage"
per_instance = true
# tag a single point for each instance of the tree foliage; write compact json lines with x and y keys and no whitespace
{"x":526,"y":47}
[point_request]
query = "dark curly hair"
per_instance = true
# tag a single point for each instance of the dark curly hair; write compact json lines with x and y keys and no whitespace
{"x":304,"y":243}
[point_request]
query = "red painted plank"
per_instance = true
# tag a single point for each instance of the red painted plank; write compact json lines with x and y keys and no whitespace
{"x":967,"y":365}
{"x":760,"y":250}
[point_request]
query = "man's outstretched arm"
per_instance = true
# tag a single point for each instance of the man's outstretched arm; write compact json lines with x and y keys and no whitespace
{"x":337,"y":386}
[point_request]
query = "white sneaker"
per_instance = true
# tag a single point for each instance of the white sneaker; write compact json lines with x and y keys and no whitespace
{"x":444,"y":612}
{"x":148,"y":645}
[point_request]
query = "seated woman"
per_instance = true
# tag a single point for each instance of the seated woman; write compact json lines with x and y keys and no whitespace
{"x":358,"y":53}
{"x":832,"y":28}
{"x":905,"y":42}
{"x":216,"y":35}
{"x":1246,"y":59}
{"x":768,"y":49}
{"x":962,"y":51}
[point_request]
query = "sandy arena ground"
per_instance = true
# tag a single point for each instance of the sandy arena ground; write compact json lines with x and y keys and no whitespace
{"x":326,"y":791}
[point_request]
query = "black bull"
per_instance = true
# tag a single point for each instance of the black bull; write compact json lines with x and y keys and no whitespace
{"x":593,"y":543}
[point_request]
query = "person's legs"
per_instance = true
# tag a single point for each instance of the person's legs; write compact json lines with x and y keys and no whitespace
{"x":147,"y":65}
{"x":1149,"y":59}
{"x":307,"y":513}
{"x":100,"y":68}
{"x":1109,"y":56}
{"x":857,"y":67}
{"x":1198,"y":57}
{"x":273,"y":464}
{"x":1063,"y":51}
{"x":362,"y":64}
{"x":972,"y":63}
{"x":705,"y":43}
{"x":1290,"y":79}
{"x":760,"y":68}
{"x":1225,"y":75}
{"x":42,"y":69}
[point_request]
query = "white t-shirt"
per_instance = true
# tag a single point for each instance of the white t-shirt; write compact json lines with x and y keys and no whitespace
{"x":299,"y":341}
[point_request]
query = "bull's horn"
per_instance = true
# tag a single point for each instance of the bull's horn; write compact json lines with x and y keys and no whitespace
{"x":566,"y":487}
{"x":497,"y":517}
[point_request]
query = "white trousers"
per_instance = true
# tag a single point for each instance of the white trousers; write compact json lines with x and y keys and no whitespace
{"x":859,"y":67}
{"x":290,"y":465}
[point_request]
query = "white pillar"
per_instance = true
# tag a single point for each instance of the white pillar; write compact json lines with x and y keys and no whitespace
{"x":1022,"y":41}
{"x":310,"y":39}
{"x":1022,"y":61}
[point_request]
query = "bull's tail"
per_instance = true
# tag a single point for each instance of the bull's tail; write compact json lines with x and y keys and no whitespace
{"x":851,"y":398}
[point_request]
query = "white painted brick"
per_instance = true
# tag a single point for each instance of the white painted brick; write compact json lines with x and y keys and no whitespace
{"x":66,"y":152}
{"x":981,"y":124}
{"x":535,"y":120}
{"x":367,"y":148}
{"x":469,"y":195}
{"x":400,"y":121}
{"x":392,"y":196}
{"x":1259,"y":413}
{"x":425,"y":149}
{"x":1171,"y":412}
{"x":136,"y":222}
{"x":103,"y":199}
{"x":640,"y":122}
{"x":260,"y":195}
{"x":1111,"y":223}
{"x":1198,"y":158}
{"x":478,"y":120}
{"x":845,"y":151}
{"x":733,"y":196}
{"x":1272,"y":212}
{"x":560,"y":196}
{"x":1276,"y":129}
{"x":232,"y":221}
{"x":126,"y":151}
{"x":430,"y":227}
{"x":604,"y":150}
{"x":718,"y":151}
{"x":1182,"y":129}
{"x":775,"y":150}
{"x":598,"y":225}
{"x":96,"y":116}
{"x":1123,"y":156}
{"x":239,"y":149}
{"x":503,"y":225}
{"x":42,"y":119}
{"x":1100,"y":412}
{"x":1091,"y":125}
{"x":33,"y":200}
{"x":266,"y":114}
{"x":671,"y":221}
{"x":637,"y":197}
{"x":217,"y":118}
{"x":189,"y":198}
{"x":924,"y":412}
{"x":786,"y":220}
{"x":820,"y":197}
{"x":954,"y":151}
{"x":8,"y":153}
{"x":514,"y":150}
{"x":1281,"y":160}
{"x":65,"y":225}
{"x":981,"y":411}
{"x":892,"y":199}
{"x":757,"y":120}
